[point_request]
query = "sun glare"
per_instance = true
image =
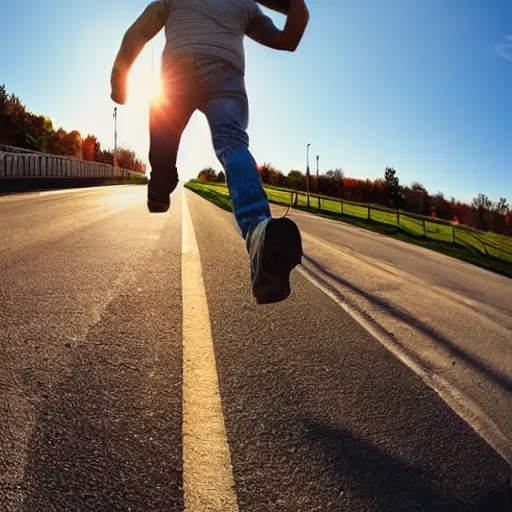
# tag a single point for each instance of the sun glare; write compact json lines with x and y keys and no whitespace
{"x":144,"y":88}
{"x":155,"y":89}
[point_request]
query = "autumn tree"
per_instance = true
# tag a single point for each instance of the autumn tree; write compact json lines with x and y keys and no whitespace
{"x":296,"y":180}
{"x":44,"y":133}
{"x":4,"y":97}
{"x":105,"y":156}
{"x":417,"y":187}
{"x":392,"y":187}
{"x":331,"y":183}
{"x":416,"y":198}
{"x":508,"y":223}
{"x":207,"y":174}
{"x":12,"y":119}
{"x":126,"y":159}
{"x":73,"y":143}
{"x":270,"y":175}
{"x":65,"y":144}
{"x":482,"y":202}
{"x":501,"y":206}
{"x":90,"y":148}
{"x":439,"y":206}
{"x":335,"y":174}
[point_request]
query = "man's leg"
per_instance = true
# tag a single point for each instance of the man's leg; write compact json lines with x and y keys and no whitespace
{"x":274,"y":245}
{"x":228,"y":119}
{"x":168,"y":118}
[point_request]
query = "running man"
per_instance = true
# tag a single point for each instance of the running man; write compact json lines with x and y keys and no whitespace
{"x":203,"y":68}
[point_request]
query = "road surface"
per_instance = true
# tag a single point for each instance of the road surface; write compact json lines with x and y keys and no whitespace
{"x":138,"y":374}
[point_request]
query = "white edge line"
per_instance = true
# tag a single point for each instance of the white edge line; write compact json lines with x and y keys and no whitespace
{"x":464,"y":407}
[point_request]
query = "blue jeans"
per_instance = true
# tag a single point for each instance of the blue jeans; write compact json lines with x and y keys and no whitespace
{"x":220,"y":94}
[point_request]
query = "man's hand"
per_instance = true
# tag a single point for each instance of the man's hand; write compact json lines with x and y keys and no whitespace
{"x":263,"y":30}
{"x":149,"y":23}
{"x":118,"y":85}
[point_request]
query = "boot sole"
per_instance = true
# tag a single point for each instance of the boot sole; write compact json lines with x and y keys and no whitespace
{"x":158,"y":207}
{"x":281,"y":253}
{"x":158,"y":202}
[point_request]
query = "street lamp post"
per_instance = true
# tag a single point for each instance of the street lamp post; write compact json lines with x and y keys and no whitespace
{"x":115,"y":137}
{"x":317,"y":159}
{"x":307,"y":171}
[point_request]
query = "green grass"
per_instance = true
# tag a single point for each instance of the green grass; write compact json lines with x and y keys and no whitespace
{"x":216,"y":195}
{"x":487,"y":250}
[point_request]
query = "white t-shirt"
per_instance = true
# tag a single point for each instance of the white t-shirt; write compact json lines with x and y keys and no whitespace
{"x":209,"y":28}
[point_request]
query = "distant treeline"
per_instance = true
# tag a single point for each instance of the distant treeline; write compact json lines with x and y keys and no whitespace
{"x":22,"y":129}
{"x":482,"y":213}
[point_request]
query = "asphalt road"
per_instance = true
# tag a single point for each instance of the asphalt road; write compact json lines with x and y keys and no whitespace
{"x":136,"y":370}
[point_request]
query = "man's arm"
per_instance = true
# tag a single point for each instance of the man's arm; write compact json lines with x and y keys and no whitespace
{"x":281,"y":6}
{"x":147,"y":25}
{"x":263,"y":30}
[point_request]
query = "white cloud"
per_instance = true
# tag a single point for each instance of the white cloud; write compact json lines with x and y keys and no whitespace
{"x":505,"y":49}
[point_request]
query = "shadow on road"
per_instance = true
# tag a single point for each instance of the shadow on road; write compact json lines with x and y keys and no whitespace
{"x":503,"y":381}
{"x":382,"y":478}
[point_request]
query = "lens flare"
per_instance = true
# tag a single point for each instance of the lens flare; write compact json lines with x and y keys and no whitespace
{"x":155,"y":89}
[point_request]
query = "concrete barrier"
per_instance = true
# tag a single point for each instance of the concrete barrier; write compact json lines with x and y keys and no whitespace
{"x":41,"y":165}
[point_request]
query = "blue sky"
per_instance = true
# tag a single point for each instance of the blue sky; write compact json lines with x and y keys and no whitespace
{"x":422,"y":86}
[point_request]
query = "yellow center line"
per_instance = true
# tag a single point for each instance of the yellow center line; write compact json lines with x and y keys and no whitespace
{"x":207,"y":472}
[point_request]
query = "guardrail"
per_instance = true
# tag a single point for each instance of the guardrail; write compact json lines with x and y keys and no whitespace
{"x":42,"y":165}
